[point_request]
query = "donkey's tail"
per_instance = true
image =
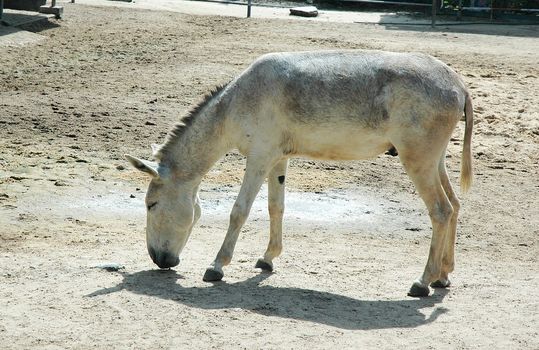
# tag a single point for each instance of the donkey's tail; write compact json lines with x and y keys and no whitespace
{"x":466,"y":176}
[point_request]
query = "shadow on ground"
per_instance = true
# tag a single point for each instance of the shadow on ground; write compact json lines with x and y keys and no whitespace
{"x":32,"y":22}
{"x":294,"y":303}
{"x":466,"y":26}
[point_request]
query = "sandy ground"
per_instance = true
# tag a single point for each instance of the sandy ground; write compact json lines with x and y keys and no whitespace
{"x":109,"y":81}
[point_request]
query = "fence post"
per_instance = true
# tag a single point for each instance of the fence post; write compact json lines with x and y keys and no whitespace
{"x":248,"y":8}
{"x":433,"y":24}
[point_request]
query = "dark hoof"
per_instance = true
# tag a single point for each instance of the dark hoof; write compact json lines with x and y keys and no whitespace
{"x":212,"y":275}
{"x":418,"y":290}
{"x":261,"y":264}
{"x":440,"y":284}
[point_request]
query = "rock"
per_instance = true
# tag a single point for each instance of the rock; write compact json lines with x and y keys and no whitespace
{"x":304,"y":11}
{"x":120,"y":167}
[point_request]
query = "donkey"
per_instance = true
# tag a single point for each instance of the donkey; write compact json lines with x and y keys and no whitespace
{"x":338,"y":105}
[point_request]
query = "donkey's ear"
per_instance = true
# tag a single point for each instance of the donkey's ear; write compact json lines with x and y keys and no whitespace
{"x":155,"y":149}
{"x":143,"y":165}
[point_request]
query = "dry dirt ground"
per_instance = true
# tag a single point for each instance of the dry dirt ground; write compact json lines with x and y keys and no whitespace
{"x":106,"y":82}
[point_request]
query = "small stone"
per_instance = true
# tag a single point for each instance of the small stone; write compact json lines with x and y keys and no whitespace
{"x":120,"y":167}
{"x":111,"y":267}
{"x":132,"y":196}
{"x":149,"y":123}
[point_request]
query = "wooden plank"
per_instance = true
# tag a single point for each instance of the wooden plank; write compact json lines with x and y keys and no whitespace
{"x":304,"y":11}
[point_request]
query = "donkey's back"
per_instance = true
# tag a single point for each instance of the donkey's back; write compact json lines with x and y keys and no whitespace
{"x":350,"y":104}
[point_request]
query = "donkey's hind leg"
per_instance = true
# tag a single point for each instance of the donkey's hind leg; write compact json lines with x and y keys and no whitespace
{"x":448,"y":260}
{"x":276,"y":188}
{"x":424,"y":173}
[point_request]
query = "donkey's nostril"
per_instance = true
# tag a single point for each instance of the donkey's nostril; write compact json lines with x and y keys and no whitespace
{"x":165,"y":260}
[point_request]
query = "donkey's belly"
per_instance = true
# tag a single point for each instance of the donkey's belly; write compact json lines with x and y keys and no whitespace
{"x":341,"y":146}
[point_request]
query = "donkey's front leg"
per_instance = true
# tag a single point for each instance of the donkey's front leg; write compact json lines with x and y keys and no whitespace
{"x":255,"y":174}
{"x":276,"y":187}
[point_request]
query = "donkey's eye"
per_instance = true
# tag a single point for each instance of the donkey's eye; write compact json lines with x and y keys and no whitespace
{"x":150,"y":206}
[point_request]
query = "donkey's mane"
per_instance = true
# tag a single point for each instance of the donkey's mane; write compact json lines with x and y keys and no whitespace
{"x":179,"y":129}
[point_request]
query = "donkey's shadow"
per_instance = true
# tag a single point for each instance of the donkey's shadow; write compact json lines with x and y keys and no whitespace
{"x":295,"y":303}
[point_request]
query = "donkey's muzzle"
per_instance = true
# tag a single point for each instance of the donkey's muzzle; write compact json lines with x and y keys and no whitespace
{"x":163,"y":259}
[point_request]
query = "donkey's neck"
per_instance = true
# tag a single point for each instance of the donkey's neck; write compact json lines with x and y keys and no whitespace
{"x":193,"y":148}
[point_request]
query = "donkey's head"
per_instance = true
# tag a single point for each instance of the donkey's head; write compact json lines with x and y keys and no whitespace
{"x":172,"y":207}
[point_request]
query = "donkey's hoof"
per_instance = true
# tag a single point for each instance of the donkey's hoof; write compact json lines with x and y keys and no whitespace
{"x":261,"y":264}
{"x":441,"y":283}
{"x":212,"y":275}
{"x":419,"y":290}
